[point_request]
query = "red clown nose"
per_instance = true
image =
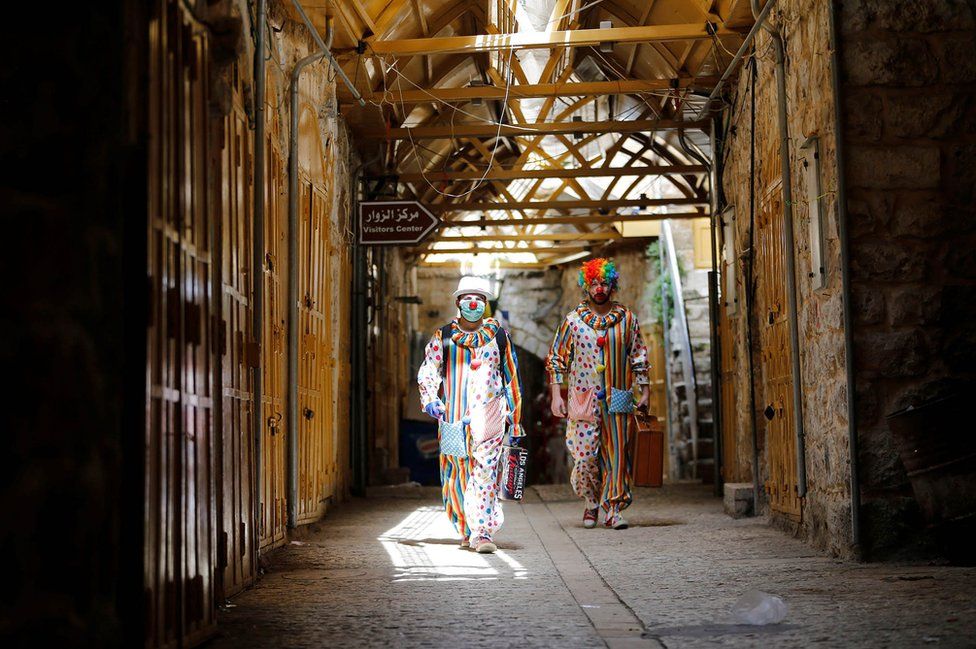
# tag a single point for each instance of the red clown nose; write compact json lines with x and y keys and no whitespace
{"x":473,"y":305}
{"x":601,"y":341}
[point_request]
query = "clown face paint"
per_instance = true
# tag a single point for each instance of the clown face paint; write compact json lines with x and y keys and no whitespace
{"x":599,"y":292}
{"x":472,"y":307}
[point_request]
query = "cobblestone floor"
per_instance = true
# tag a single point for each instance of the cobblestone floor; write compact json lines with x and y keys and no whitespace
{"x":385,"y":572}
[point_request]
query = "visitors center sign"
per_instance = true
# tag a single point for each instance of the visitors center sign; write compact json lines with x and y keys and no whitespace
{"x":394,"y":223}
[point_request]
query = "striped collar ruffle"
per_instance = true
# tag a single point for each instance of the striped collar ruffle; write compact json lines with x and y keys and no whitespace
{"x":597,"y":321}
{"x":478,"y":338}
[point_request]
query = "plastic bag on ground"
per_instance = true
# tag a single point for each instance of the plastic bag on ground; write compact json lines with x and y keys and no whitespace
{"x":757,"y":607}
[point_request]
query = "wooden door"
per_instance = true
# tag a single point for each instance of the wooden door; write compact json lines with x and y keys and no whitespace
{"x":237,"y":538}
{"x":179,"y":559}
{"x":343,"y":345}
{"x":274,"y":441}
{"x":775,"y":360}
{"x":314,"y":391}
{"x":338,"y":361}
{"x":731,"y":470}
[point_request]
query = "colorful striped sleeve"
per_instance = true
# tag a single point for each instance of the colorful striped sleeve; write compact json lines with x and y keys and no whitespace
{"x":429,"y":374}
{"x":638,"y":352}
{"x":513,"y":388}
{"x":560,"y":354}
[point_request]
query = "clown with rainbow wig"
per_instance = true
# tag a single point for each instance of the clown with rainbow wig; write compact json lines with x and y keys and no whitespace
{"x":600,"y":357}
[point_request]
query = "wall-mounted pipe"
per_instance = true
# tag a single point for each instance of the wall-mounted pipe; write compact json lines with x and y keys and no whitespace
{"x":292,"y":399}
{"x":790,"y":249}
{"x":257,"y":254}
{"x":325,"y":48}
{"x":845,"y":278}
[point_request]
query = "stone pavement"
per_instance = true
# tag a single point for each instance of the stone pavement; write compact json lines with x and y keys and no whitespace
{"x":385,"y":572}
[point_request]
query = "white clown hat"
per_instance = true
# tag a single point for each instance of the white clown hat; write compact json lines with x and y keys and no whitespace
{"x":471,"y":284}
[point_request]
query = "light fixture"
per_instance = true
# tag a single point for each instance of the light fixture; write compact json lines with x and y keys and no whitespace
{"x":729,"y":296}
{"x":477,"y":83}
{"x":606,"y":46}
{"x":811,"y":168}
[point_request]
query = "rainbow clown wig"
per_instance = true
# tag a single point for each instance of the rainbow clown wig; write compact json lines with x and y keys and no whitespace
{"x":598,"y":269}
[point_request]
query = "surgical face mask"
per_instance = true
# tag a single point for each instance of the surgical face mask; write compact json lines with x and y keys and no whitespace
{"x":472,"y":308}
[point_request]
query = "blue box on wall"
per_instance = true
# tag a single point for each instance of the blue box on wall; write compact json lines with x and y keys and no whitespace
{"x":419,"y":450}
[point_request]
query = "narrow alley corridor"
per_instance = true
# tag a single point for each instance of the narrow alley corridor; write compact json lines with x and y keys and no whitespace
{"x":384,"y":571}
{"x":300,"y":291}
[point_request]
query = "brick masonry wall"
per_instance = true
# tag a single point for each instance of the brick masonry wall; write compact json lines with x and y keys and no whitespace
{"x":805,"y":27}
{"x":910,"y":111}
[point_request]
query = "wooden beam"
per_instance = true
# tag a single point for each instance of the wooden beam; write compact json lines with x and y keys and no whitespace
{"x":515,"y":174}
{"x":537,"y":40}
{"x":532,"y":130}
{"x":531,"y":249}
{"x":563,"y":205}
{"x":363,"y":15}
{"x":543,"y":90}
{"x":545,"y":236}
{"x":591,"y":219}
{"x":633,"y":53}
{"x":501,"y":264}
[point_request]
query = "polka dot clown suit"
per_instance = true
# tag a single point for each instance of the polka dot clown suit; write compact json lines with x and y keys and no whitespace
{"x":595,"y":353}
{"x":482,"y":389}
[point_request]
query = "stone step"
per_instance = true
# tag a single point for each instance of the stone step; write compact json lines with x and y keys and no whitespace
{"x":706,"y":470}
{"x":738,"y":499}
{"x":706,"y":447}
{"x":680,"y":390}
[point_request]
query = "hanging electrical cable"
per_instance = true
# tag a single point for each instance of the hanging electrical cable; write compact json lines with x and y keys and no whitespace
{"x":494,"y":149}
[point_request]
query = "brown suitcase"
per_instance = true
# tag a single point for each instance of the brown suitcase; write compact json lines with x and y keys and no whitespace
{"x":648,"y":450}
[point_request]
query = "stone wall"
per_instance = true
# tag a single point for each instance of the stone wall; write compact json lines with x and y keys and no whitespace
{"x":73,"y":200}
{"x":532,"y":299}
{"x":910,"y":113}
{"x":536,"y":301}
{"x":826,"y":518}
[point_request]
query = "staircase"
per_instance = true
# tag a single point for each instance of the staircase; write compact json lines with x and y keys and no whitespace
{"x":692,"y":426}
{"x":692,"y":464}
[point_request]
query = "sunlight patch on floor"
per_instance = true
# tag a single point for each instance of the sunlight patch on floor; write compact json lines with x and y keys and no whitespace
{"x":424,"y":547}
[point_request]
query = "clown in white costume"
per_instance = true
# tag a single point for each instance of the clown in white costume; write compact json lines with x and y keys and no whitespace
{"x":469,"y":383}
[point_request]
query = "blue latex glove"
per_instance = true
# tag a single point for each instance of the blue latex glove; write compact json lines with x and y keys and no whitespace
{"x":435,"y":409}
